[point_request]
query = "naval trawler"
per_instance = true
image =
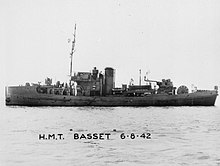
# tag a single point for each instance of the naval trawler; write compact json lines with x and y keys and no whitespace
{"x":97,"y":89}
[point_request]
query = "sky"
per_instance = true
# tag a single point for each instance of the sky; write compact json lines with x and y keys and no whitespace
{"x":173,"y":39}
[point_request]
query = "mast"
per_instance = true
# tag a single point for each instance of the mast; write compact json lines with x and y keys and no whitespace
{"x":72,"y":52}
{"x":71,"y":61}
{"x":140,"y":77}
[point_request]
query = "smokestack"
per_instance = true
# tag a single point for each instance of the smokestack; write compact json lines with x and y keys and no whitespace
{"x":109,"y":80}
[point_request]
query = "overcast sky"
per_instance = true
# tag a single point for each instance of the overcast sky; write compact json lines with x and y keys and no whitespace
{"x":176,"y":39}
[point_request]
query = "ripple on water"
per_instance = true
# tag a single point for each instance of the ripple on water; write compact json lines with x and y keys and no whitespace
{"x":179,"y":136}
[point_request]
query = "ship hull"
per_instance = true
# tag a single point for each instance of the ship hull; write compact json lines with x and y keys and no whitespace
{"x":27,"y":96}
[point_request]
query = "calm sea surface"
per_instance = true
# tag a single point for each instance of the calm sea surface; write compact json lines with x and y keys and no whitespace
{"x":179,"y":136}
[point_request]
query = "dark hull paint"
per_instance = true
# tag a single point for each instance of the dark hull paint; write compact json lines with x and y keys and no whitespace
{"x":27,"y":96}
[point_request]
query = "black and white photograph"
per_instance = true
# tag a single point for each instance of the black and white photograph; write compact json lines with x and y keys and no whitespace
{"x":110,"y":82}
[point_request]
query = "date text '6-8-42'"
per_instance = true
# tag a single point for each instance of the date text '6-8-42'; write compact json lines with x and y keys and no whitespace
{"x":134,"y":136}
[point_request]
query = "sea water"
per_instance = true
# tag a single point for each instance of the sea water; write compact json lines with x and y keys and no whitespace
{"x":176,"y":136}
